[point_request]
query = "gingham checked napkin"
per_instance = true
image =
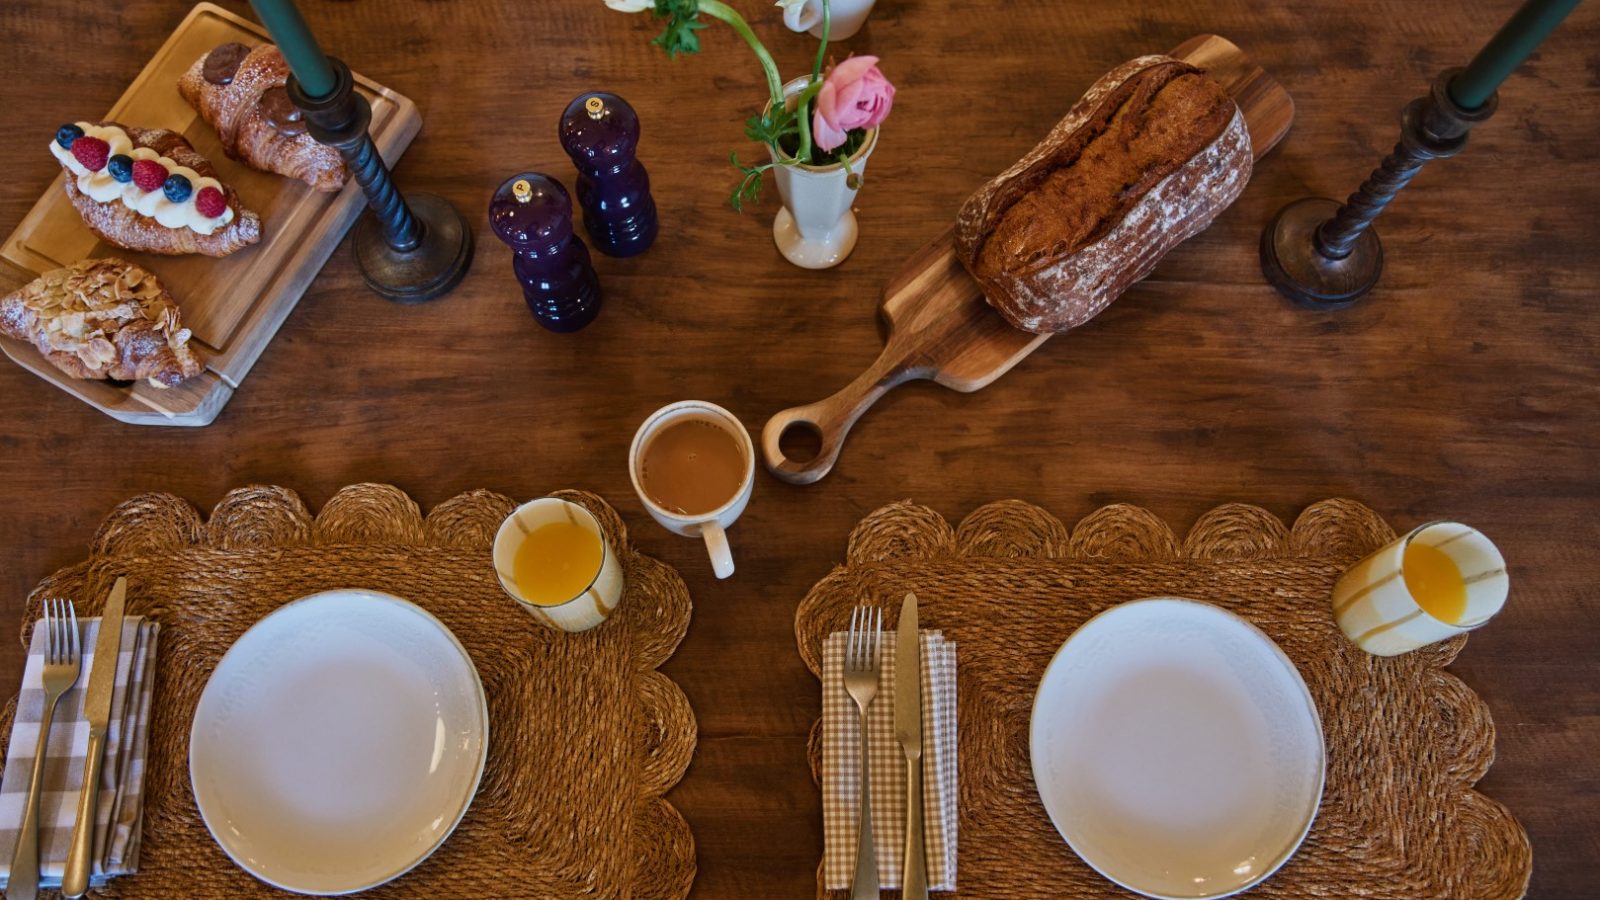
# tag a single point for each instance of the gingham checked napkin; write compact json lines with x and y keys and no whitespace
{"x":841,"y":766}
{"x":116,"y":839}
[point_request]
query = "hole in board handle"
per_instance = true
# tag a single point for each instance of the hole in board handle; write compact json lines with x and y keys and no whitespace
{"x":800,"y":442}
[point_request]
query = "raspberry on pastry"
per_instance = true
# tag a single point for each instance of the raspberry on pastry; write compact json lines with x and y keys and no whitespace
{"x":137,"y":188}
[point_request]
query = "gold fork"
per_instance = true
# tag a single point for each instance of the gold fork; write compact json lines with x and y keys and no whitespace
{"x":62,"y":658}
{"x":861,"y":662}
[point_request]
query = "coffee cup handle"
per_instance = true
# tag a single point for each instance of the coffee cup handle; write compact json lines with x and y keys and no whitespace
{"x":717,"y":546}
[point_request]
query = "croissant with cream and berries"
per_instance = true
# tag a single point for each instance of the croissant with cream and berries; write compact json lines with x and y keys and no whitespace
{"x":241,"y":92}
{"x":102,"y":319}
{"x":147,"y":189}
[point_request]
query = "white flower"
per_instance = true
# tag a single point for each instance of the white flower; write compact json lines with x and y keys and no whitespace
{"x":800,"y":15}
{"x":631,"y":6}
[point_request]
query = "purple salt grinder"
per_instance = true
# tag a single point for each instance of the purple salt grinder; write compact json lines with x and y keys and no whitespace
{"x":532,"y":214}
{"x":600,"y":131}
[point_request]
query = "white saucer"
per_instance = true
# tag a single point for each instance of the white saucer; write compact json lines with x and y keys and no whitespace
{"x":1177,"y":749}
{"x":339,"y":742}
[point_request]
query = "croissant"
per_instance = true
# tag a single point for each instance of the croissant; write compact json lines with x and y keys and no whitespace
{"x":241,"y":93}
{"x":147,"y":189}
{"x":102,"y":319}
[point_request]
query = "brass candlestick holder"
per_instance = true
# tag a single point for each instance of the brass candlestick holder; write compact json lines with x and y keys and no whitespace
{"x":1326,"y":255}
{"x":408,"y":251}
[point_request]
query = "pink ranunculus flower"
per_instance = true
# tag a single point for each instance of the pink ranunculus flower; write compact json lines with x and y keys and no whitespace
{"x":854,"y":95}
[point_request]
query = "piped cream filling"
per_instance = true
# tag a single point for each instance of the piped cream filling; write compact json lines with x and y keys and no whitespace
{"x":102,"y":188}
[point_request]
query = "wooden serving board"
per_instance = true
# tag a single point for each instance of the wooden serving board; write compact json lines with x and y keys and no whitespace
{"x":938,"y":325}
{"x":233,"y":305}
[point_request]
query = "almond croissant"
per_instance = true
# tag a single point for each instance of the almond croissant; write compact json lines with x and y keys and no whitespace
{"x":102,"y":319}
{"x":241,"y":93}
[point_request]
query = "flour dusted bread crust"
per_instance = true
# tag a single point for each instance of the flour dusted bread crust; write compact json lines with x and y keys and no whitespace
{"x":241,"y":93}
{"x":1152,"y":153}
{"x":102,"y":319}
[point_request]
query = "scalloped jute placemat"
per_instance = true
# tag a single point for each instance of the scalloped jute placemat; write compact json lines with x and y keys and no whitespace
{"x":585,"y":735}
{"x":1406,"y":740}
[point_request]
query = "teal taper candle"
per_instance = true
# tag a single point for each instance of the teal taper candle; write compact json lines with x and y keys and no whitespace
{"x":298,"y":45}
{"x":1507,"y":49}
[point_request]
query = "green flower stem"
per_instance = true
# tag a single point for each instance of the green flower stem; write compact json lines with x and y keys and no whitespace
{"x":803,"y":108}
{"x":803,"y":115}
{"x":822,"y":48}
{"x":716,"y":9}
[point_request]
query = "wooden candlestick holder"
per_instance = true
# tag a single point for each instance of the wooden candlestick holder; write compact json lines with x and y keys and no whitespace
{"x":408,"y":252}
{"x":1324,"y":255}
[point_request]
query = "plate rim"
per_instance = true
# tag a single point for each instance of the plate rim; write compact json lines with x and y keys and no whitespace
{"x":466,"y":804}
{"x":1299,"y":680}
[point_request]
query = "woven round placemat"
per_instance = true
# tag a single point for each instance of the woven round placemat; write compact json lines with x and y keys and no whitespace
{"x":1406,"y":740}
{"x":585,"y":735}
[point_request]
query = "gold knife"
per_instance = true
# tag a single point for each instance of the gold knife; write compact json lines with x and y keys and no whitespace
{"x":97,"y":710}
{"x":908,"y":731}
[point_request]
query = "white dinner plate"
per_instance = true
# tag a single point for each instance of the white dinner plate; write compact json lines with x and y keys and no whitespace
{"x":1177,"y":749}
{"x":339,"y":742}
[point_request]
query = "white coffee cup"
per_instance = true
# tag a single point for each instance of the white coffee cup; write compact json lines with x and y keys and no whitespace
{"x":711,"y":526}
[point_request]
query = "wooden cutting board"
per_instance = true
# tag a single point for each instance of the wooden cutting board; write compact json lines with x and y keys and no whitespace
{"x":939,"y":326}
{"x":235,"y":304}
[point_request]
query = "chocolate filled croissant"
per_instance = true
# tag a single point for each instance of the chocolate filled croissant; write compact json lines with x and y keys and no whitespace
{"x":241,"y":93}
{"x":102,"y":319}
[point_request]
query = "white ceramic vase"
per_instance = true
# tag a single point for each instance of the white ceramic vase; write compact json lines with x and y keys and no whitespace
{"x":816,"y":228}
{"x":845,"y":17}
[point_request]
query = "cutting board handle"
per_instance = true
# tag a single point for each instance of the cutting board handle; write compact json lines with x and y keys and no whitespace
{"x":938,"y":325}
{"x":831,"y":418}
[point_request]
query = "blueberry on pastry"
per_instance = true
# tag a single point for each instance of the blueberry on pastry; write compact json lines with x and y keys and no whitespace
{"x":102,"y":319}
{"x":242,"y":93}
{"x":146,"y":189}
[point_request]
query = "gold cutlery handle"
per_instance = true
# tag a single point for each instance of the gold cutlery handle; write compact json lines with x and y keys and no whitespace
{"x":75,"y":881}
{"x":914,"y":874}
{"x":24,"y":881}
{"x":865,"y":886}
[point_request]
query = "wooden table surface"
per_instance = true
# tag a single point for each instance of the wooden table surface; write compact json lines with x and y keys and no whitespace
{"x":1465,"y":388}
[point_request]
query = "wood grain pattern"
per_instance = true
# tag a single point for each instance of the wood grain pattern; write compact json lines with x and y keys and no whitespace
{"x":232,"y":305}
{"x":1466,"y":387}
{"x":938,"y":324}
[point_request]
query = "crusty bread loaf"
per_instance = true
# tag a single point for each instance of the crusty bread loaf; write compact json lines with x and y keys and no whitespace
{"x":1149,"y":156}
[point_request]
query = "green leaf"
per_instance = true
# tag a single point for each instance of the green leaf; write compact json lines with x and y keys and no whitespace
{"x":748,"y":190}
{"x":682,"y":22}
{"x":771,"y":125}
{"x":679,"y":37}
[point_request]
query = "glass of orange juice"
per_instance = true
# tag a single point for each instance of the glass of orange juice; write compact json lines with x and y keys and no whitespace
{"x":1440,"y":580}
{"x":553,"y":558}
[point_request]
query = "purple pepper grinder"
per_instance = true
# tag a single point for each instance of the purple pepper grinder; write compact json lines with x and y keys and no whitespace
{"x":533,"y":215}
{"x":600,"y":131}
